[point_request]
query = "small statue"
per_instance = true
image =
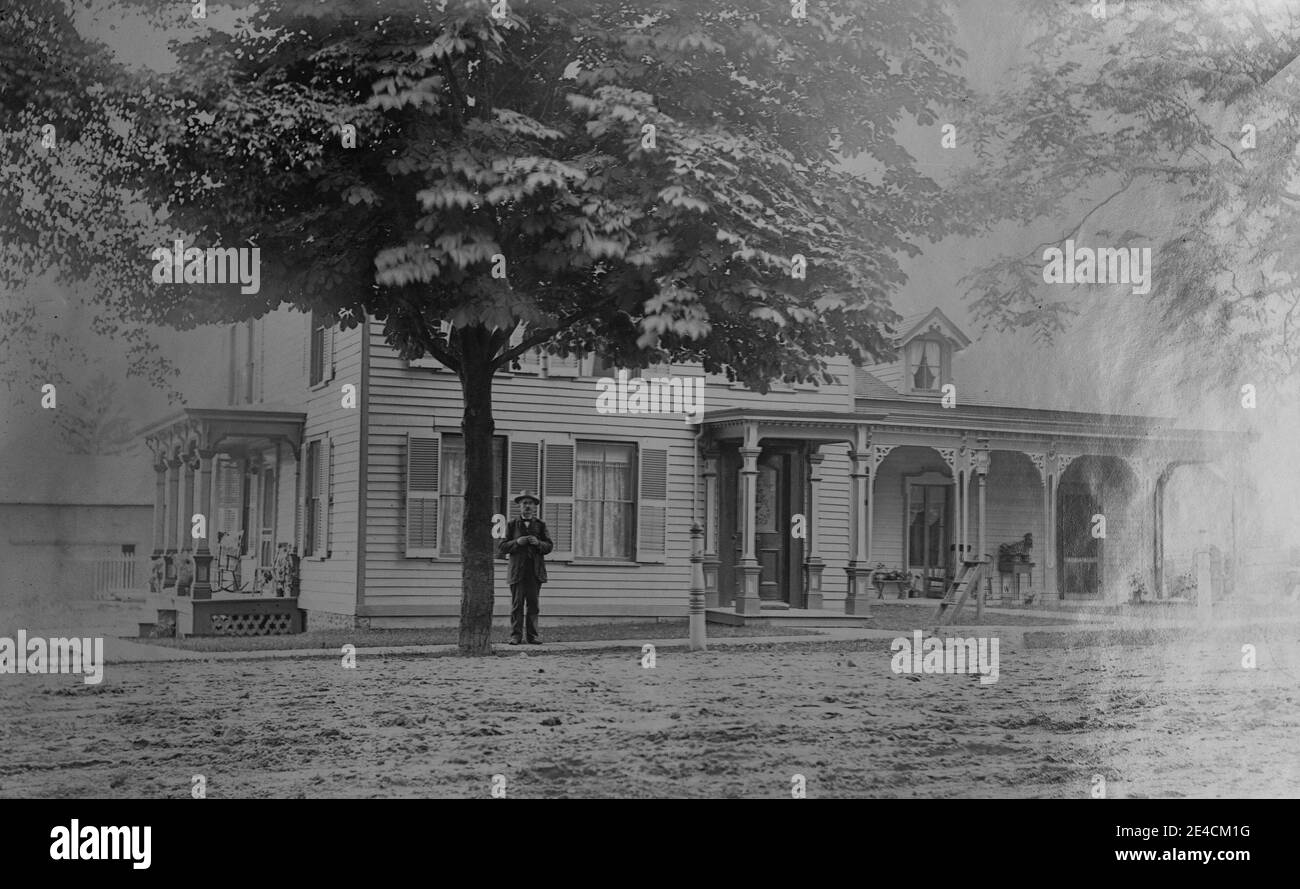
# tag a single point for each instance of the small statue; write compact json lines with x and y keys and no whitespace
{"x":285,"y":571}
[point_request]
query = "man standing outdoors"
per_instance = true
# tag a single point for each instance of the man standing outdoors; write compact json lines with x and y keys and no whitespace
{"x":526,"y":543}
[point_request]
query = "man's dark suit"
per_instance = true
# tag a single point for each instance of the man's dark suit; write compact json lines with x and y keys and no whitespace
{"x":527,"y":572}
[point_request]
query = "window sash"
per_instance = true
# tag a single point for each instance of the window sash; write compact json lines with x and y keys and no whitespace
{"x":451,"y":489}
{"x":605,"y":501}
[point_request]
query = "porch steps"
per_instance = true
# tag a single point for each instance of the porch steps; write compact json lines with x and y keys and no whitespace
{"x":793,"y":617}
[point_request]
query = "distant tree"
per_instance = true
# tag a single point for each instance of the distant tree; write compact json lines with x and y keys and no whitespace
{"x":95,"y":423}
{"x":68,"y":222}
{"x":649,"y":181}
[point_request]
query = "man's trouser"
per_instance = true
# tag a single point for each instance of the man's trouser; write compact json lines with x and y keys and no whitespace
{"x":523,"y":594}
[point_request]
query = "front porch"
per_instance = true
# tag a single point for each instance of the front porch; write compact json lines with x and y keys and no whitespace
{"x":1065,"y":507}
{"x":225,"y":522}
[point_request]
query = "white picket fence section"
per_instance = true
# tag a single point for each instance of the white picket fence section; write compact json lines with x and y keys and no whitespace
{"x":103,"y":577}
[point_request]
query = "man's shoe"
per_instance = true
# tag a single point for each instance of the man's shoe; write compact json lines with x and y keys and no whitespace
{"x":514,"y":641}
{"x":535,"y":641}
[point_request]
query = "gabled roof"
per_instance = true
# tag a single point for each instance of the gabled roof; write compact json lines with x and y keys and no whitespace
{"x":914,"y":325}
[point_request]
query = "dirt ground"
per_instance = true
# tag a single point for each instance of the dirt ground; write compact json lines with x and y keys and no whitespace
{"x":1182,"y":720}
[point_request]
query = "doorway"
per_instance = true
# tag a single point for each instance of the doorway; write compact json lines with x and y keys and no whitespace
{"x":778,"y":493}
{"x":1078,"y":552}
{"x":929,"y":519}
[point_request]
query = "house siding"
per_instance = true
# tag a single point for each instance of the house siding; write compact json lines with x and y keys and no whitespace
{"x":329,"y":584}
{"x":403,"y":400}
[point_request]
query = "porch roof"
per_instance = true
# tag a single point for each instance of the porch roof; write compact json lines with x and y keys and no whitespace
{"x":980,"y":421}
{"x":212,"y":429}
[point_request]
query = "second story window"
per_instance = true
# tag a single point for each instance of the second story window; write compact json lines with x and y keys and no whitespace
{"x":320,"y":358}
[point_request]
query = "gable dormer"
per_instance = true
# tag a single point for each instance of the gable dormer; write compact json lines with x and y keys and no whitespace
{"x":926,"y":342}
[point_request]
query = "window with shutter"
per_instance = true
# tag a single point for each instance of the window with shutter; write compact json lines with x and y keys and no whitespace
{"x":422,"y":478}
{"x":318,"y":345}
{"x":561,"y":366}
{"x":232,"y":366}
{"x":429,"y":361}
{"x":652,"y":506}
{"x":325,"y":495}
{"x":451,"y":490}
{"x":557,"y":497}
{"x":529,"y":362}
{"x":250,"y":363}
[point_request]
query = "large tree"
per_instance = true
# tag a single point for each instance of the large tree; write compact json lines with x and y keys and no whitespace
{"x":642,"y":180}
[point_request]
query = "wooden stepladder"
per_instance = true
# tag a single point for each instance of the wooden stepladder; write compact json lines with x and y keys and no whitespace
{"x":970,"y":579}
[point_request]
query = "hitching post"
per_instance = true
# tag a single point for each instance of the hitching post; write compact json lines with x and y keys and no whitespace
{"x":697,"y":588}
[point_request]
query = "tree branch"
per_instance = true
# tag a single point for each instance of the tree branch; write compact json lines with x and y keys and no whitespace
{"x":547,"y":333}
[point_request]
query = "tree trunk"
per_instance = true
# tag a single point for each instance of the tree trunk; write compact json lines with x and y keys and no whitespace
{"x":478,"y":549}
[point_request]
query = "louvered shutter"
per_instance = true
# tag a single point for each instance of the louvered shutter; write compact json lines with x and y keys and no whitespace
{"x":306,"y":351}
{"x":557,"y":497}
{"x":300,"y":504}
{"x":328,"y":358}
{"x":321,"y":502}
{"x":525,"y":471}
{"x":229,"y":495}
{"x":422,"y":476}
{"x":652,"y":506}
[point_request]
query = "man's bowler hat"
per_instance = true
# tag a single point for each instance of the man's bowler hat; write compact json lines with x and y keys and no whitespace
{"x":528,"y":495}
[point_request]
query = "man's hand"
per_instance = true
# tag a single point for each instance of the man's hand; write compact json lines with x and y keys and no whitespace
{"x":530,"y":540}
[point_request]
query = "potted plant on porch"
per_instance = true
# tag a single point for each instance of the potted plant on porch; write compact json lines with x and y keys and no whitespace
{"x":899,"y":581}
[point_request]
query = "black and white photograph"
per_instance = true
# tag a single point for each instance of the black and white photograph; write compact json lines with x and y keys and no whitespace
{"x":641,"y":399}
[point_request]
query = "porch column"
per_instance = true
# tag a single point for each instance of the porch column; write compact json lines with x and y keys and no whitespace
{"x":711,"y":560}
{"x":981,"y":466}
{"x":858,"y":601}
{"x":184,"y":525}
{"x":813,"y":564}
{"x":1050,"y":589}
{"x":747,"y":601}
{"x":159,"y":506}
{"x":170,"y":547}
{"x":202,"y":547}
{"x":1040,"y":463}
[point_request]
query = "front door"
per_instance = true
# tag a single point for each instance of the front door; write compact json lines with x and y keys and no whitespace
{"x":771,"y":518}
{"x":778,"y":488}
{"x":1078,"y":552}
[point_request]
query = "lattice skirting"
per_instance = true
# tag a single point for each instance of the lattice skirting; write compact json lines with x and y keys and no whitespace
{"x":252,"y":624}
{"x":246,"y":617}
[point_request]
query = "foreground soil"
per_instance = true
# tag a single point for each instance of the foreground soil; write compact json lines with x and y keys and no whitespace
{"x":1168,"y":720}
